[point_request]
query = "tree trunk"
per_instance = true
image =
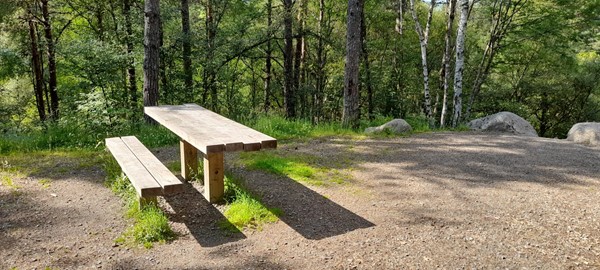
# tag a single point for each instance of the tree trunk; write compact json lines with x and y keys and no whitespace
{"x":300,"y":55}
{"x":99,"y":13}
{"x":131,"y":77}
{"x":167,"y":93}
{"x":423,"y":40}
{"x":367,"y":69}
{"x":151,"y":52}
{"x":321,"y":62}
{"x":187,"y":50}
{"x":446,"y":61}
{"x":37,"y":70}
{"x":460,"y":61}
{"x":351,"y":114}
{"x":52,"y":81}
{"x":400,"y":16}
{"x":288,"y":88}
{"x":210,"y":75}
{"x":268,"y":56}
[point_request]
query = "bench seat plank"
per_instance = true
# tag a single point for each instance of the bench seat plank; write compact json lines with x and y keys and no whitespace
{"x":142,"y":180}
{"x":169,"y":183}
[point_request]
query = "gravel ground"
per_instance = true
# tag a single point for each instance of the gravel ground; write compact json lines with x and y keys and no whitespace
{"x":437,"y":200}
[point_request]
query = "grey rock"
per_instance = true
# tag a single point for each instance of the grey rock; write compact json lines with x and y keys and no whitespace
{"x":587,"y":133}
{"x":395,"y":126}
{"x":504,"y":122}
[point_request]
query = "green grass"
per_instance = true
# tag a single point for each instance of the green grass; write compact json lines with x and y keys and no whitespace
{"x":65,"y":136}
{"x":50,"y":164}
{"x":45,"y":182}
{"x":244,"y":210}
{"x":150,"y":223}
{"x":301,"y":168}
{"x":283,"y":129}
{"x":7,"y":181}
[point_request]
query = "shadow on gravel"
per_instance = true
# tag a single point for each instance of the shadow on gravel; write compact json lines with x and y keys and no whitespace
{"x":201,"y":218}
{"x":477,"y":159}
{"x":307,"y":212}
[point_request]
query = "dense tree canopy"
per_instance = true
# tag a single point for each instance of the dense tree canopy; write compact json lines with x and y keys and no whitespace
{"x":80,"y":61}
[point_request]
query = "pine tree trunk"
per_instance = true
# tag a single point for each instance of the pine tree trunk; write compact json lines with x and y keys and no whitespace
{"x":446,"y":61}
{"x":288,"y":73}
{"x":187,"y":50}
{"x":299,"y":57}
{"x":268,"y":56}
{"x":151,"y":52}
{"x":37,"y":71}
{"x":131,"y":77}
{"x":167,"y":93}
{"x":52,"y":81}
{"x":351,"y":114}
{"x":423,"y":40}
{"x":321,"y":62}
{"x":210,"y":75}
{"x":460,"y":61}
{"x":367,"y":69}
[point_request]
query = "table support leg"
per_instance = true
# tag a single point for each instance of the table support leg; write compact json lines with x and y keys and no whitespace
{"x":213,"y":177}
{"x":189,"y":160}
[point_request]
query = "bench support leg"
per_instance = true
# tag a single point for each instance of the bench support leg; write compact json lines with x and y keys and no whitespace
{"x":213,"y":177}
{"x":147,"y":200}
{"x":189,"y":160}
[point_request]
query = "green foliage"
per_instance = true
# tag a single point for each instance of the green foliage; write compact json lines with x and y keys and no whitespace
{"x":245,"y":210}
{"x":418,"y":123}
{"x":537,"y":72}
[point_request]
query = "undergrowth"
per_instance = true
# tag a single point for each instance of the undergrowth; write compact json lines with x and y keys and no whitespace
{"x":244,"y":210}
{"x":68,"y":137}
{"x":151,"y":225}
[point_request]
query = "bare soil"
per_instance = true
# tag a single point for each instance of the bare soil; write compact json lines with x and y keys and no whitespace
{"x":437,"y":200}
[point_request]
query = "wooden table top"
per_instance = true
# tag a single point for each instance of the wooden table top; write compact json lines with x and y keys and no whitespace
{"x":209,"y":132}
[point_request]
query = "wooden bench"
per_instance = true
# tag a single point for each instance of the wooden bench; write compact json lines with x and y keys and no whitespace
{"x":201,"y":130}
{"x":147,"y":174}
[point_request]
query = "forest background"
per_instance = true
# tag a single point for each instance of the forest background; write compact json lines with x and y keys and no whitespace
{"x":76,"y":65}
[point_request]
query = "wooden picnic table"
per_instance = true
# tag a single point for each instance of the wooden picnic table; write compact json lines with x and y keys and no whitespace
{"x":202,"y":130}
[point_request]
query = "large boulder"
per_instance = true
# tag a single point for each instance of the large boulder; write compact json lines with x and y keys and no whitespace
{"x":504,"y":122}
{"x":395,"y":126}
{"x":585,"y":133}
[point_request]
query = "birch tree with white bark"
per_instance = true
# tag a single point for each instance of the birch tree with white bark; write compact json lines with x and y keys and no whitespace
{"x":445,"y":74}
{"x":423,"y":40}
{"x":460,"y":61}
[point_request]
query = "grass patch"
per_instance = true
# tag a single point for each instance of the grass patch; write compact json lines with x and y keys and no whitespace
{"x":150,"y":224}
{"x":7,"y":181}
{"x":284,"y":129}
{"x":51,"y":164}
{"x":291,"y":167}
{"x":45,"y":182}
{"x":244,"y":210}
{"x":301,"y":168}
{"x":67,"y":136}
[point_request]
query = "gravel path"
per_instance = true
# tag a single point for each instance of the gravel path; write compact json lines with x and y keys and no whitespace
{"x":437,"y":200}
